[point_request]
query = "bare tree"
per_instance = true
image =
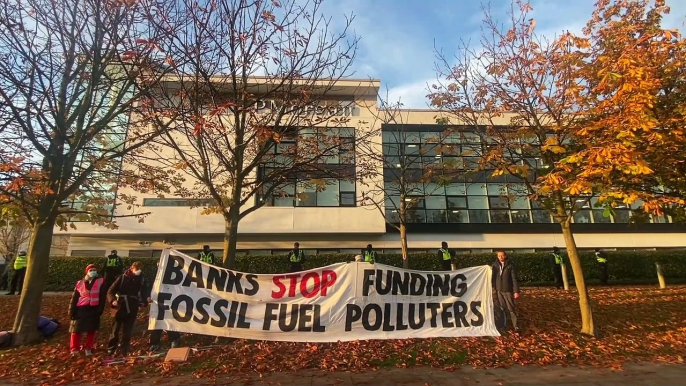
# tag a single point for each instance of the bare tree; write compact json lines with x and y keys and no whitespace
{"x":256,"y":92}
{"x":15,"y":231}
{"x":404,"y":169}
{"x":75,"y":79}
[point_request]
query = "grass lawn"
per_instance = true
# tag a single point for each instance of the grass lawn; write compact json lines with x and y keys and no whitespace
{"x":638,"y":323}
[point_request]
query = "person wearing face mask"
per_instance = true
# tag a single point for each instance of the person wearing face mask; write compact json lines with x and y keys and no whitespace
{"x":370,"y":255}
{"x":125,"y":296}
{"x":85,"y":309}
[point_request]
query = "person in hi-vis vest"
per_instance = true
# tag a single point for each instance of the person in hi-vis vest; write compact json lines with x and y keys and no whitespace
{"x":296,"y":257}
{"x":556,"y":265}
{"x":369,"y":255}
{"x":445,"y":255}
{"x":20,"y":263}
{"x":601,"y":257}
{"x":114,"y":267}
{"x":206,"y":256}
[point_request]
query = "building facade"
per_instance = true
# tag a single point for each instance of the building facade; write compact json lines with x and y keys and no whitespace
{"x":472,"y":213}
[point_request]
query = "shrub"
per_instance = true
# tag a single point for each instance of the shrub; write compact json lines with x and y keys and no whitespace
{"x":532,"y":268}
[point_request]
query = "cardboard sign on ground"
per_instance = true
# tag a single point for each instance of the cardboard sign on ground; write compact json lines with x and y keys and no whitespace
{"x":179,"y":354}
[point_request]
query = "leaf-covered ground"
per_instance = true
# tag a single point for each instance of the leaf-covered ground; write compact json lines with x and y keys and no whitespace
{"x":635,"y":324}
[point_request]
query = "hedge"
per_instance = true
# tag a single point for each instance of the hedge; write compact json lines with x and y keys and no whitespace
{"x":532,"y":268}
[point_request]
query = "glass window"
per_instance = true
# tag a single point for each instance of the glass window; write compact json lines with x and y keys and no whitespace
{"x":457,"y":202}
{"x":456,"y":189}
{"x":347,"y":199}
{"x":392,"y":216}
{"x":476,"y":202}
{"x":284,"y":196}
{"x":498,"y":202}
{"x":458,"y":216}
{"x":471,"y":137}
{"x":410,"y":136}
{"x":329,"y":195}
{"x":622,"y":216}
{"x":500,"y":216}
{"x":435,"y":216}
{"x":391,"y":149}
{"x":496,"y":189}
{"x":347,"y":186}
{"x":411,"y":149}
{"x":478,"y":216}
{"x":416,"y":216}
{"x":520,"y":216}
{"x":519,"y":203}
{"x":476,"y":189}
{"x":541,"y":217}
{"x":434,"y":189}
{"x":391,"y":137}
{"x":435,"y":202}
{"x":583,"y":217}
{"x":430,"y":150}
{"x":392,"y":202}
{"x":599,"y":218}
{"x":306,"y":195}
{"x":93,"y":252}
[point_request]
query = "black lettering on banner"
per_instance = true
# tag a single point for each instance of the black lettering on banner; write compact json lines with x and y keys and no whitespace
{"x":417,"y":284}
{"x":401,"y":285}
{"x":441,"y":285}
{"x":317,"y":322}
{"x":433,"y":307}
{"x":200,"y":306}
{"x":216,"y":279}
{"x":414,"y":313}
{"x":380,"y":289}
{"x":283,"y":310}
{"x":447,"y":315}
{"x":378,"y":319}
{"x":219,"y":305}
{"x":162,"y":298}
{"x":234,"y":282}
{"x":269,"y":315}
{"x":173,"y":271}
{"x":461,"y":314}
{"x":233,"y":314}
{"x":189,"y":308}
{"x":462,"y":286}
{"x":304,"y":318}
{"x":429,"y":285}
{"x":252,"y":280}
{"x":387,"y":315}
{"x":474,"y":307}
{"x":194,"y":275}
{"x":353,"y":313}
{"x":242,"y":311}
{"x":400,"y":323}
{"x":368,"y":281}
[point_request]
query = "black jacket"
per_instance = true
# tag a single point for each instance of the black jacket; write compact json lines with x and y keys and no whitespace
{"x":131,"y":290}
{"x":505,"y":281}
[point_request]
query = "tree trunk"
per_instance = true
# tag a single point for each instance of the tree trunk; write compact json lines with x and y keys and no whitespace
{"x":660,"y":275}
{"x":587,"y":325}
{"x":403,"y":246}
{"x":565,"y":277}
{"x":230,"y":239}
{"x":26,"y":321}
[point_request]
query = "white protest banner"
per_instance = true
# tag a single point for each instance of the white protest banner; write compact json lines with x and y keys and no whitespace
{"x":340,"y":302}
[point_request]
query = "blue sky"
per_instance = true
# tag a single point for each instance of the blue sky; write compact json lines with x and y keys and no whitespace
{"x":397,"y":36}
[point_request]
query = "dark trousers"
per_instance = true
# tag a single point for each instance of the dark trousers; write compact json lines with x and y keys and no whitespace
{"x":126,"y":324}
{"x":447,"y":265}
{"x":18,"y":280}
{"x":296,"y":267}
{"x":603,"y":273}
{"x":504,"y":306}
{"x":557,"y":272}
{"x":4,"y":279}
{"x":156,"y":336}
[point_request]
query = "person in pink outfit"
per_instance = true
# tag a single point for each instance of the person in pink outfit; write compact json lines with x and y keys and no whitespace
{"x":87,"y":305}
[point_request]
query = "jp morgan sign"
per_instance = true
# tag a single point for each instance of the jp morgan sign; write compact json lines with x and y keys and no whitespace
{"x":333,"y":108}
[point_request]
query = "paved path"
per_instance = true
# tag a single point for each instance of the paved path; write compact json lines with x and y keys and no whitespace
{"x":631,"y":375}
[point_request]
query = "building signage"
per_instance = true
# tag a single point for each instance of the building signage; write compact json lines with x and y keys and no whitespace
{"x":336,"y":108}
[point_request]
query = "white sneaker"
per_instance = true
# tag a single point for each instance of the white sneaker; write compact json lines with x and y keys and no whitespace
{"x":89,"y":353}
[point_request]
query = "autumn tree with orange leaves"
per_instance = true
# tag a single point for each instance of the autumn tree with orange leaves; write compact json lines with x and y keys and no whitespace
{"x":631,"y":73}
{"x":515,"y":92}
{"x":73,"y":76}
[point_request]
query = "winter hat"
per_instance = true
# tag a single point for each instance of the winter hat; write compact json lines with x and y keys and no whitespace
{"x":91,"y":266}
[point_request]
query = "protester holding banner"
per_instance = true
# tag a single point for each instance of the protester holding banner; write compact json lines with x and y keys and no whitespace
{"x":506,"y":286}
{"x":125,"y":296}
{"x":296,"y":257}
{"x":445,"y":256}
{"x":85,"y":309}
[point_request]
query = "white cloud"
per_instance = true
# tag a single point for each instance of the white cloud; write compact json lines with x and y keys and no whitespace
{"x":412,"y":95}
